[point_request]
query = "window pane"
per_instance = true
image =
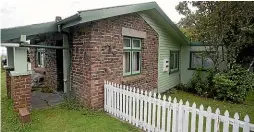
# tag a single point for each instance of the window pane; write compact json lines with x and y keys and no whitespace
{"x":127,"y":42}
{"x":39,"y":58}
{"x":136,"y":61}
{"x":208,"y":63}
{"x":196,"y":60}
{"x":176,"y":61}
{"x":126,"y":62}
{"x":171,"y":61}
{"x":136,"y":43}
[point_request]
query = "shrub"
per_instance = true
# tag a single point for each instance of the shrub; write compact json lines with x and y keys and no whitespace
{"x":201,"y":84}
{"x":234,"y":85}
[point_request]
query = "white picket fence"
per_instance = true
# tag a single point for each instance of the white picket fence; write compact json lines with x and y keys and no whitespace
{"x":151,"y":113}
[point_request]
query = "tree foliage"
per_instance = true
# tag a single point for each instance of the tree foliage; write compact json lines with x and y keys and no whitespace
{"x":227,"y":23}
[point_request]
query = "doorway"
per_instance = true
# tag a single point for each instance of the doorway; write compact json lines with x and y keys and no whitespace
{"x":59,"y":66}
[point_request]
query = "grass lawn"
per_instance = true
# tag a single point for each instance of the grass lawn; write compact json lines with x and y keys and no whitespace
{"x":246,"y":108}
{"x":58,"y":119}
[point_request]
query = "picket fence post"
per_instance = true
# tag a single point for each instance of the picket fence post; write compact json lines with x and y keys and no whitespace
{"x":169,"y":115}
{"x":208,"y":119}
{"x":163,"y":116}
{"x":174,"y":129}
{"x":193,"y":117}
{"x":236,"y":123}
{"x":186,"y":117}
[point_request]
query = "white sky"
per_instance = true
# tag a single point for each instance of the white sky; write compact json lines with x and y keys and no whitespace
{"x":24,"y":12}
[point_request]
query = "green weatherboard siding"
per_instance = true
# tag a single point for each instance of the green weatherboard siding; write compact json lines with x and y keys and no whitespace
{"x":166,"y":43}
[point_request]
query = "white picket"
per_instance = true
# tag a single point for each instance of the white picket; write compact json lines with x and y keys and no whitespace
{"x":180,"y":117}
{"x":236,"y":123}
{"x":137,"y":108}
{"x":226,"y":122}
{"x":117,"y":100}
{"x":169,"y":104}
{"x":127,"y":103}
{"x":145,"y":124}
{"x":153,"y":114}
{"x":130,"y":105}
{"x":246,"y":127}
{"x":141,"y":110}
{"x":121,"y":101}
{"x":186,"y":117}
{"x":158,"y":125}
{"x":105,"y":97}
{"x":193,"y":117}
{"x":174,"y":120}
{"x":200,"y":118}
{"x":133,"y":106}
{"x":217,"y":120}
{"x":163,"y":116}
{"x":112,"y":97}
{"x":124,"y":106}
{"x":208,"y":119}
{"x":149,"y":111}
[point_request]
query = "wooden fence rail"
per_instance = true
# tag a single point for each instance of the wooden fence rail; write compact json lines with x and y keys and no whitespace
{"x":153,"y":112}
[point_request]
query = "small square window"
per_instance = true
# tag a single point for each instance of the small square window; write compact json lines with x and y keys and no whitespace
{"x":136,"y":43}
{"x":127,"y":43}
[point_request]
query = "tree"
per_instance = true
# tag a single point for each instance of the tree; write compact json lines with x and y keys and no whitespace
{"x":218,"y":23}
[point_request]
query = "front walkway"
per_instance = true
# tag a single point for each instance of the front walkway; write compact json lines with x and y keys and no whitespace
{"x":42,"y":100}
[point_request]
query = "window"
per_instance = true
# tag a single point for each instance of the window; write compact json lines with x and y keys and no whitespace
{"x":174,"y":61}
{"x":131,"y":56}
{"x":200,"y":60}
{"x":40,"y":57}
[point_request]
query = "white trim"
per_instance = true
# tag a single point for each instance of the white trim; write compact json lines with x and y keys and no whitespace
{"x":133,"y":33}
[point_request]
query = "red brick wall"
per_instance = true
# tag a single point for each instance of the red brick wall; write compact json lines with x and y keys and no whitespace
{"x":32,"y":56}
{"x":92,"y":62}
{"x":21,"y":91}
{"x":50,"y":60}
{"x":8,"y":83}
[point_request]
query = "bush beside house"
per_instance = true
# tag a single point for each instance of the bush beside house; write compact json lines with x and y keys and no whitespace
{"x":232,"y":85}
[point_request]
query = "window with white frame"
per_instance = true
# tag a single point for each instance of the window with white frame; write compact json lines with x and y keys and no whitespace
{"x":174,"y":61}
{"x":131,"y":56}
{"x":40,"y":57}
{"x":199,"y":59}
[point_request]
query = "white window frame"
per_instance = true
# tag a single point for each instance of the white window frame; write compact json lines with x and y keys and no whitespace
{"x":176,"y":65}
{"x":40,"y":52}
{"x":132,"y":50}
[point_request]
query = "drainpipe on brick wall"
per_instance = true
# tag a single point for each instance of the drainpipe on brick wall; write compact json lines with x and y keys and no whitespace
{"x":66,"y":61}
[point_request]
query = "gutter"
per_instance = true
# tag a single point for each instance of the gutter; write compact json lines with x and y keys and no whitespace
{"x":69,"y":19}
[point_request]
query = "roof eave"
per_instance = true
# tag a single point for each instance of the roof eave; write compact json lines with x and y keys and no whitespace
{"x":8,"y":34}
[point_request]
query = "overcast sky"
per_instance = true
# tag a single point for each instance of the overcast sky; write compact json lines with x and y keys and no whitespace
{"x":23,"y":12}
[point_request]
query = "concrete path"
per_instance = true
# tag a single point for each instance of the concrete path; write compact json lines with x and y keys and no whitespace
{"x":42,"y":100}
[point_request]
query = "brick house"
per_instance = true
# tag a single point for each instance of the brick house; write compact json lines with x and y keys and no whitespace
{"x":136,"y":45}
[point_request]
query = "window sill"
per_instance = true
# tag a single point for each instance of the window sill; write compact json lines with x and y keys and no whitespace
{"x":174,"y":71}
{"x":197,"y":68}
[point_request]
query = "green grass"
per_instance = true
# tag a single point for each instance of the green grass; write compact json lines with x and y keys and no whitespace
{"x":58,"y":119}
{"x":246,"y":108}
